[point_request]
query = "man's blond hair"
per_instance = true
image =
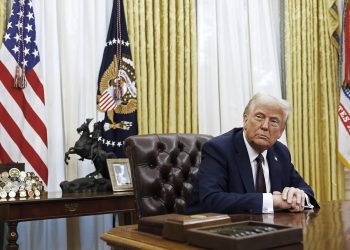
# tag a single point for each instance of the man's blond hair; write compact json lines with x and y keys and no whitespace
{"x":265,"y":98}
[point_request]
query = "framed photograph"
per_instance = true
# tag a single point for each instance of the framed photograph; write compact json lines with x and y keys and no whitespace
{"x":120,"y":173}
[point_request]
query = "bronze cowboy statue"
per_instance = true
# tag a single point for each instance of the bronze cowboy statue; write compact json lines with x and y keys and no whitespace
{"x":88,"y":146}
{"x":82,"y":146}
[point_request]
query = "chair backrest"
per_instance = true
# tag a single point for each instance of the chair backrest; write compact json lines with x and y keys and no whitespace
{"x":163,"y":167}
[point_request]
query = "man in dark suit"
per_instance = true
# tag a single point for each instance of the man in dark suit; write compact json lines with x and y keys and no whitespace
{"x":248,"y":170}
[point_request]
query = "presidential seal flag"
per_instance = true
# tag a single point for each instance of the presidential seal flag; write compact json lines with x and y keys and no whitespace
{"x":344,"y":102}
{"x":116,"y":92}
{"x":23,"y":134}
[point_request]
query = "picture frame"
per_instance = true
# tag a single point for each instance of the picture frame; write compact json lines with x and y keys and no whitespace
{"x":120,"y":174}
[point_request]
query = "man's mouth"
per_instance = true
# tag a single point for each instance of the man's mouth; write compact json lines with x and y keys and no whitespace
{"x":264,"y":137}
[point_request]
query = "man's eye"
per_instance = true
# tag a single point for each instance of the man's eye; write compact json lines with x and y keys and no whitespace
{"x":275,"y":122}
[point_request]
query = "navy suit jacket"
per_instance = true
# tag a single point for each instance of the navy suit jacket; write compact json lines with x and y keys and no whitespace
{"x":225,"y":181}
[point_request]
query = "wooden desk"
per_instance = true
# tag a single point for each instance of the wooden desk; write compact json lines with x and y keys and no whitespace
{"x":327,"y":228}
{"x":58,"y":205}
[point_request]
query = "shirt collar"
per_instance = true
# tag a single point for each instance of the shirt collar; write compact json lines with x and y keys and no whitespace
{"x":251,"y":151}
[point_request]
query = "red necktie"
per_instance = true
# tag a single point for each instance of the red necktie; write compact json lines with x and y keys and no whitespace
{"x":260,"y":180}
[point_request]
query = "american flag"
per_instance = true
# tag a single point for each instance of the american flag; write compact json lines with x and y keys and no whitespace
{"x":23,"y":135}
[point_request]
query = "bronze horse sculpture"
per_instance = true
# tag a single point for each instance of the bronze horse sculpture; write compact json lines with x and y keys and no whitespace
{"x":89,"y":147}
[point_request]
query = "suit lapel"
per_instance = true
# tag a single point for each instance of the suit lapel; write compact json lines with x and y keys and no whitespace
{"x":243,"y":162}
{"x":275,"y":170}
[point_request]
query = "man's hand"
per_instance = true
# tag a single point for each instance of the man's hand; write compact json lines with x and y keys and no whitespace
{"x":289,"y":193}
{"x":291,"y":198}
{"x":278,"y":202}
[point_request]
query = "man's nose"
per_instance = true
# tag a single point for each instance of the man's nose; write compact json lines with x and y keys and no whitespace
{"x":265,"y":124}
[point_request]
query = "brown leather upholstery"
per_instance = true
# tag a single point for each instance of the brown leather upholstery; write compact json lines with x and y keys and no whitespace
{"x":163,"y":167}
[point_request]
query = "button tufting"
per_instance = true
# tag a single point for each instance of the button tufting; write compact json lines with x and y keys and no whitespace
{"x":160,"y":146}
{"x":181,"y":146}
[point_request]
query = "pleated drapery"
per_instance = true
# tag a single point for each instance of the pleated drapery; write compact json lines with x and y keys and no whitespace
{"x":3,"y":18}
{"x":163,"y":41}
{"x":238,"y":56}
{"x":312,"y":89}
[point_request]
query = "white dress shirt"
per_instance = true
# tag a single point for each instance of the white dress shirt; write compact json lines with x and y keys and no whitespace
{"x":267,"y":197}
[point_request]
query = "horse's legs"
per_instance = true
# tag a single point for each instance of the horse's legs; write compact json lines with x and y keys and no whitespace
{"x":66,"y":155}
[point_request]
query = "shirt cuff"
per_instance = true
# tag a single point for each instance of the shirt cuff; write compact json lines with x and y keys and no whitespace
{"x":307,"y":202}
{"x":267,"y":207}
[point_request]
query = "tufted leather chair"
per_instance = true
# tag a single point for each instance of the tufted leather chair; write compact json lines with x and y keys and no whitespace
{"x":163,"y":167}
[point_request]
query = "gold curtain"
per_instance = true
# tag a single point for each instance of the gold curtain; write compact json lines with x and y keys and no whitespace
{"x":312,"y":89}
{"x":164,"y":49}
{"x":3,"y":18}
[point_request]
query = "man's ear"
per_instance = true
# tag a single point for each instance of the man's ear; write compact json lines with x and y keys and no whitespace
{"x":245,"y":118}
{"x":281,"y":132}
